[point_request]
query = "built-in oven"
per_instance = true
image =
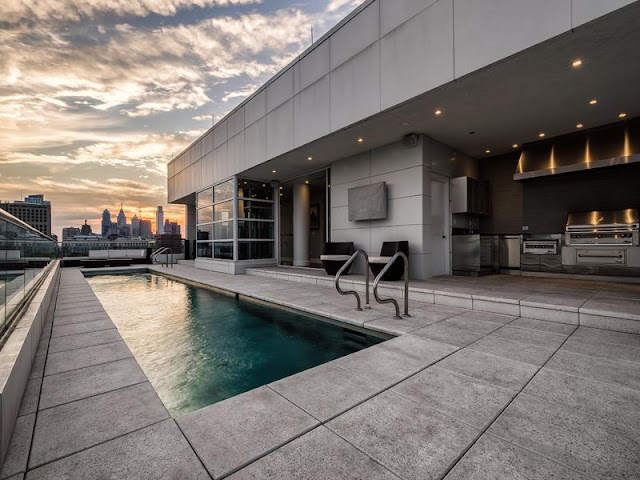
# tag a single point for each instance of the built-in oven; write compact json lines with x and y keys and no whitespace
{"x":541,"y":253}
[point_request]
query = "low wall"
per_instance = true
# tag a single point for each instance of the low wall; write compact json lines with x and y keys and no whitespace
{"x":18,"y":353}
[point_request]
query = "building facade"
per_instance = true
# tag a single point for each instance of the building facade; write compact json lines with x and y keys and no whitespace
{"x":159,"y":221}
{"x":478,"y":123}
{"x":33,"y":210}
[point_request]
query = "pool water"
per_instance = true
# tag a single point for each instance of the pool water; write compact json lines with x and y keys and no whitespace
{"x":199,"y":347}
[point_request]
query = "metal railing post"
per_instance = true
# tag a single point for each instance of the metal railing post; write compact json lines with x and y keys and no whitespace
{"x":376,"y":282}
{"x":336,"y":281}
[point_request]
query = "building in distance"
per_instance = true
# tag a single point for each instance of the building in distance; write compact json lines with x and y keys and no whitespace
{"x":33,"y":210}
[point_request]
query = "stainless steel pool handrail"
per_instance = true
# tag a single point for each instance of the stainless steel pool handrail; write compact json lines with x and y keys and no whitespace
{"x":376,"y":282}
{"x":163,"y":250}
{"x":353,"y":292}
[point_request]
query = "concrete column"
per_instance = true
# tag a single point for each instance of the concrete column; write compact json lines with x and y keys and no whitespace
{"x":190,"y":222}
{"x":301,"y":194}
{"x":190,"y":230}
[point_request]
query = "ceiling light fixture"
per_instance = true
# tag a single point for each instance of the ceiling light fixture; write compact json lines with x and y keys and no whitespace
{"x":307,"y":182}
{"x":360,"y":140}
{"x":309,"y":158}
{"x":576,"y":63}
{"x":622,"y":115}
{"x":579,"y":125}
{"x":542,"y":134}
{"x":515,"y":145}
{"x":593,"y":102}
{"x":438,"y":112}
{"x":487,"y":151}
{"x":273,"y":171}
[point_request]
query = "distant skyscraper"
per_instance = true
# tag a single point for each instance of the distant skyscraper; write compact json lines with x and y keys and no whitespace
{"x":145,"y":228}
{"x":34,"y":210}
{"x":122,"y":218}
{"x":159,"y":220}
{"x":171,"y":227}
{"x":68,"y":233}
{"x":85,"y":229}
{"x":106,"y":222}
{"x":135,"y":226}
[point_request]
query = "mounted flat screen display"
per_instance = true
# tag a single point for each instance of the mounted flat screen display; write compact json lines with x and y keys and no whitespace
{"x":368,"y":202}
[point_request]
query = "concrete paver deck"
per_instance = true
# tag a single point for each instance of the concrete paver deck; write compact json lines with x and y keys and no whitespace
{"x":458,"y":394}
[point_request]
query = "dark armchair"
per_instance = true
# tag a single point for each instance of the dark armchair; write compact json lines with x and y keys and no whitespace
{"x":389,"y":249}
{"x":335,"y":255}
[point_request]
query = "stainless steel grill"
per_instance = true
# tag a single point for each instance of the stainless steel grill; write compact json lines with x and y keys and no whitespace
{"x":613,"y":227}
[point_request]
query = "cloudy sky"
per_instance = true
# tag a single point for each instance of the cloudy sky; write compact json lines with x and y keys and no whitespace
{"x":96,"y":95}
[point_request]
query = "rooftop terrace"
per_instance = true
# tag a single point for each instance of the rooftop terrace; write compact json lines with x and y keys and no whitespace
{"x":459,"y":393}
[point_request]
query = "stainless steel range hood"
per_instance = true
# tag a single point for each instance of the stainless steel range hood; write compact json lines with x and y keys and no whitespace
{"x":617,"y":144}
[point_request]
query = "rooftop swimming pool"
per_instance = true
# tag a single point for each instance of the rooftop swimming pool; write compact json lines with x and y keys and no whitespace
{"x":199,"y":347}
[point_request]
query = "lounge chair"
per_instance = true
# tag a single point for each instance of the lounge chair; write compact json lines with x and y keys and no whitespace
{"x":335,"y":255}
{"x":389,"y":249}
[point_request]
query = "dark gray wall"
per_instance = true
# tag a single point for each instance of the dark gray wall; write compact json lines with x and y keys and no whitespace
{"x":506,"y":196}
{"x":547,"y":200}
{"x":543,"y":203}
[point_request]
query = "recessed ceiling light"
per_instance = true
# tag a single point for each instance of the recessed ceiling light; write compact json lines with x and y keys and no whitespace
{"x":280,"y":188}
{"x":360,"y":140}
{"x":593,"y":102}
{"x":306,"y":181}
{"x":541,"y":134}
{"x":579,"y":125}
{"x":405,"y":124}
{"x":576,"y":63}
{"x":622,"y":115}
{"x":273,"y":171}
{"x":515,"y":145}
{"x":487,"y":151}
{"x":438,"y":112}
{"x":309,"y":158}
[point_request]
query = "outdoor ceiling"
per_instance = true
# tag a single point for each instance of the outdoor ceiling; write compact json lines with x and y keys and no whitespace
{"x":510,"y":102}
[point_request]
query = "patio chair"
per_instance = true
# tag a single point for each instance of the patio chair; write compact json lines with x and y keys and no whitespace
{"x":389,"y":249}
{"x":335,"y":255}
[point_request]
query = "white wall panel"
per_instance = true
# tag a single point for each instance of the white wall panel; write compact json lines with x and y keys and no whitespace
{"x":350,"y":169}
{"x":220,"y":134}
{"x":235,"y":153}
{"x":280,"y":90}
{"x":418,"y":56}
{"x":584,"y":11}
{"x":207,"y":143}
{"x":311,"y":113}
{"x":358,"y":34}
{"x":220,"y":163}
{"x":396,"y":12}
{"x":403,"y":182}
{"x":236,"y":123}
{"x":312,"y":67}
{"x":255,"y":109}
{"x":489,"y":30}
{"x":255,"y":141}
{"x":280,"y":130}
{"x":207,"y":169}
{"x":395,"y":156}
{"x":355,"y":88}
{"x":340,"y":192}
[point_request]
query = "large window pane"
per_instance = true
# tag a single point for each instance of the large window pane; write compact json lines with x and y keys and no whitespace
{"x":205,"y":215}
{"x":262,"y":230}
{"x":257,"y":210}
{"x":205,"y":249}
{"x":255,"y":250}
{"x":223,"y":250}
{"x":223,"y":211}
{"x":223,"y":191}
{"x":253,"y":189}
{"x":223,"y":231}
{"x":205,"y":232}
{"x":205,"y":198}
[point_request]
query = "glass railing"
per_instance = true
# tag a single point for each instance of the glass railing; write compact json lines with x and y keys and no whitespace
{"x":24,"y":255}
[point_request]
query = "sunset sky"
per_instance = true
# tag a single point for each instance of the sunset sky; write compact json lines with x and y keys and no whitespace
{"x":96,"y":95}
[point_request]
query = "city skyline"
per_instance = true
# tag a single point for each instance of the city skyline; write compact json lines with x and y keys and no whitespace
{"x":89,"y":126}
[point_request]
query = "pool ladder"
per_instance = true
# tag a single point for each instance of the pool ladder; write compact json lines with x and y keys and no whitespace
{"x":376,"y":283}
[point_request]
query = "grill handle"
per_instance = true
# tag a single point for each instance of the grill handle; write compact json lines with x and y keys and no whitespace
{"x":582,"y":255}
